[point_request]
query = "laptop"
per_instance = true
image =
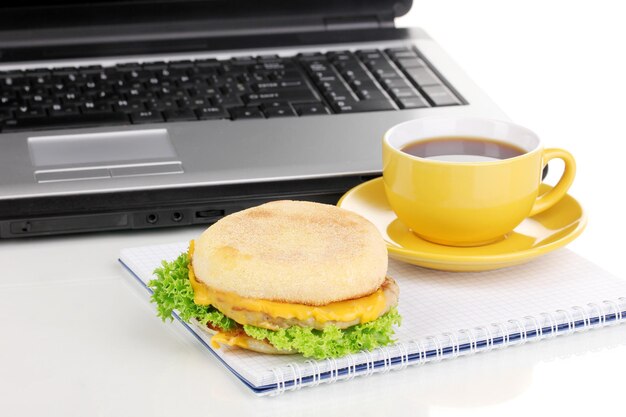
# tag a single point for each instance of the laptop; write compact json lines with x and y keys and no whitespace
{"x":136,"y":114}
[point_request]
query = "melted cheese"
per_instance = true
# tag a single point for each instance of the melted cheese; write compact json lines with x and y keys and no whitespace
{"x":360,"y":310}
{"x":220,"y":338}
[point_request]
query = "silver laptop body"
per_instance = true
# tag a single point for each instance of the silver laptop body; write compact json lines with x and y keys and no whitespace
{"x":134,"y":176}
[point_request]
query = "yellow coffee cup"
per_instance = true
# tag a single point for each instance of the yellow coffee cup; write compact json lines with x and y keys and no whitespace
{"x":467,"y":181}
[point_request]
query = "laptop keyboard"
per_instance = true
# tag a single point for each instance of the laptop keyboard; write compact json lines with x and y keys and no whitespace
{"x":235,"y":89}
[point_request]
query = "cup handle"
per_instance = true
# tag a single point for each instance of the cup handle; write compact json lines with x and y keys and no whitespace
{"x":550,"y":198}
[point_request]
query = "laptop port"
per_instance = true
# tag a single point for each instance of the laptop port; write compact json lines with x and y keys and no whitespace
{"x":210,"y":214}
{"x":152,"y":218}
{"x":177,"y":216}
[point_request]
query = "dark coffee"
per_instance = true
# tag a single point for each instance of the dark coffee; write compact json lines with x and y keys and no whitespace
{"x":462,"y":149}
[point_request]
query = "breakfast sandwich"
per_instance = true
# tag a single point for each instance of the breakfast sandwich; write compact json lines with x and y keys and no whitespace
{"x":285,"y":277}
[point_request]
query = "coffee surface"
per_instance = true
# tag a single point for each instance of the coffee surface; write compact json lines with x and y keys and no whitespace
{"x":462,"y":149}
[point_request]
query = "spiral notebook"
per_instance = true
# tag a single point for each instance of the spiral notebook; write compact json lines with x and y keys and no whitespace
{"x":445,"y":315}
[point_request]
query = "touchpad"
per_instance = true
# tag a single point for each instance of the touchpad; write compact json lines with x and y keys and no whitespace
{"x":110,"y":154}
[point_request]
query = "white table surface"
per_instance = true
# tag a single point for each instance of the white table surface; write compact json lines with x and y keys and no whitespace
{"x":77,"y":338}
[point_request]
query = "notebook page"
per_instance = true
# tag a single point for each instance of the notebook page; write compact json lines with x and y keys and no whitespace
{"x":432,"y":303}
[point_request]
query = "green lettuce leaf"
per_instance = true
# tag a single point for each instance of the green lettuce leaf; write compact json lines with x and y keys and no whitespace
{"x":331,"y":342}
{"x":172,"y":291}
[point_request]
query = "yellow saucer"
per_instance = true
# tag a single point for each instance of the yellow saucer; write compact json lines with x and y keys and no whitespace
{"x":535,"y":236}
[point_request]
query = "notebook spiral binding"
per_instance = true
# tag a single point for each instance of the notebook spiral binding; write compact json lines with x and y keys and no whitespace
{"x":448,"y":345}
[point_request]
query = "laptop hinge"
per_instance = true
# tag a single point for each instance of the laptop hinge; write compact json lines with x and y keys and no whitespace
{"x":358,"y":22}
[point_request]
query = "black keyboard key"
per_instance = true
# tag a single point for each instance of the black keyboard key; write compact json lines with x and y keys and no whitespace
{"x":243,"y":60}
{"x":334,"y":86}
{"x":95,"y":107}
{"x":154,"y":66}
{"x":311,"y":56}
{"x":308,"y":109}
{"x":131,"y":66}
{"x":146,"y":116}
{"x":5,"y":114}
{"x":246,"y":113}
{"x":285,"y":75}
{"x":268,"y":58}
{"x":193,"y":102}
{"x":65,"y":121}
{"x":440,"y":95}
{"x":181,"y":64}
{"x":179,"y":115}
{"x":363,"y":106}
{"x":293,"y":96}
{"x":27,"y":112}
{"x":63,"y":110}
{"x":128,"y":106}
{"x":271,"y":104}
{"x":272,"y":86}
{"x":396,"y":83}
{"x":226,"y":101}
{"x":207,"y":63}
{"x":370,"y":54}
{"x":102,"y":95}
{"x":161,"y":104}
{"x":10,"y":74}
{"x":139,"y":75}
{"x":371,"y":95}
{"x":40,"y":80}
{"x":64,"y":70}
{"x":211,"y":112}
{"x":273,"y":112}
{"x":13,"y":82}
{"x":91,"y":70}
{"x":345,"y":95}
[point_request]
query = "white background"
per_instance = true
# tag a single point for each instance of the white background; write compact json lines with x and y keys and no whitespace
{"x":556,"y":67}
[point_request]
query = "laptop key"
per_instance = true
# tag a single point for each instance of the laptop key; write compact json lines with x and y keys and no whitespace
{"x":179,"y":115}
{"x":95,"y":107}
{"x":269,"y":104}
{"x":65,"y":121}
{"x":309,"y":109}
{"x":207,"y":63}
{"x":273,"y":86}
{"x":246,"y":113}
{"x":155,"y":66}
{"x":181,"y":64}
{"x":227,"y":101}
{"x":62,"y":110}
{"x":285,"y":111}
{"x":211,"y":112}
{"x":363,"y":106}
{"x":371,"y":95}
{"x":293,"y":96}
{"x":28,"y":112}
{"x":146,"y":116}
